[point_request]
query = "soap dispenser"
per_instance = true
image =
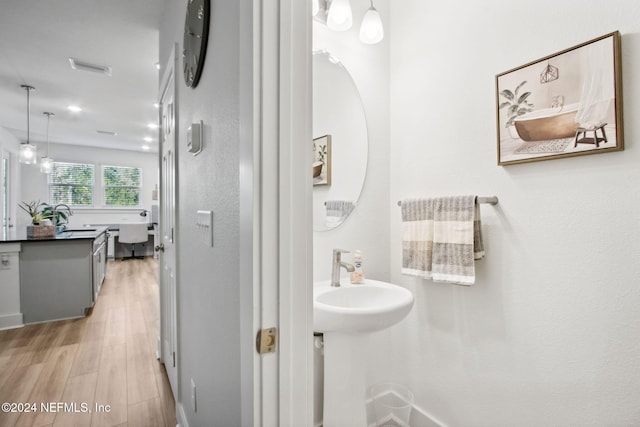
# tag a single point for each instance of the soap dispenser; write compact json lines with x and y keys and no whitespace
{"x":357,"y":276}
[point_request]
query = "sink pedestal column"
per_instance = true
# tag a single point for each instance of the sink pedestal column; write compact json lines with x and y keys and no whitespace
{"x":344,"y":379}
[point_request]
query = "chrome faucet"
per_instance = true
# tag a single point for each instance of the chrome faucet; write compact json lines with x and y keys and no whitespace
{"x":336,"y":264}
{"x":58,"y":213}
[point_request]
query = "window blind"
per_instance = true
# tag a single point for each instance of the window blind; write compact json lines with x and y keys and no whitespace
{"x":72,"y":184}
{"x":122,"y":185}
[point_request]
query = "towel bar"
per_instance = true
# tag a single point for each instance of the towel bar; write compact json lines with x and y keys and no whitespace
{"x":492,"y":200}
{"x":354,"y":204}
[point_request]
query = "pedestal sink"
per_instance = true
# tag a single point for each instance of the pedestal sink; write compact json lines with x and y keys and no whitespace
{"x":346,"y":315}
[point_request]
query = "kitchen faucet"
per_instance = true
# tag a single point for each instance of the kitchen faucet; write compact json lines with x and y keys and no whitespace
{"x":336,"y":264}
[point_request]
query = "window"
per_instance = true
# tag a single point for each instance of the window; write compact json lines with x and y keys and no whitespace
{"x":122,"y":185}
{"x":71,"y":184}
{"x":74,"y":184}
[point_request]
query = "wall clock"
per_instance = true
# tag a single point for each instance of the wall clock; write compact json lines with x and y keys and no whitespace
{"x":194,"y":46}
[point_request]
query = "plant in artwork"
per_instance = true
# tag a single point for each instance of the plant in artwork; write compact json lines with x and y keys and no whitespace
{"x":322,"y":160}
{"x":515,"y":103}
{"x":321,"y":151}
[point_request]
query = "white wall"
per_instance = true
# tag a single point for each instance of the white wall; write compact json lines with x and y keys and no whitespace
{"x":366,"y":228}
{"x":548,"y":335}
{"x":8,"y":141}
{"x":208,"y":278}
{"x":34,"y":184}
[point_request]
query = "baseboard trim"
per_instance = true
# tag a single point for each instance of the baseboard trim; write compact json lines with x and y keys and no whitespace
{"x":10,"y":321}
{"x":181,"y":416}
{"x":419,"y":417}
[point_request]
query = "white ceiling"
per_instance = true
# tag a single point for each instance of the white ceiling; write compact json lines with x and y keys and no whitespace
{"x":36,"y":39}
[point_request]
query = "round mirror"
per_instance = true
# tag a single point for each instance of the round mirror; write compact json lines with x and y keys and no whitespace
{"x":340,"y":144}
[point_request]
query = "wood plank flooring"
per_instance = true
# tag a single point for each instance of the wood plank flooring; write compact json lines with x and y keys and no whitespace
{"x":106,"y":358}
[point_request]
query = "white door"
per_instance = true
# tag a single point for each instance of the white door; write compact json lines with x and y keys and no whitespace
{"x":168,"y":223}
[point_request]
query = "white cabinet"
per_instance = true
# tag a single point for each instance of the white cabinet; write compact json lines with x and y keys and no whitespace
{"x":111,"y":246}
{"x":99,"y":264}
{"x":10,"y":314}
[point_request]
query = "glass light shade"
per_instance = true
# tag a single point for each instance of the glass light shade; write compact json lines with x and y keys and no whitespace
{"x":371,"y":30}
{"x":46,"y":165}
{"x":340,"y":17}
{"x":27,"y":154}
{"x":315,"y":7}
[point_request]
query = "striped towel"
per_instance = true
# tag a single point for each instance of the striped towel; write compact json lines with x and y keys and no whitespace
{"x":338,"y":211}
{"x":441,"y":238}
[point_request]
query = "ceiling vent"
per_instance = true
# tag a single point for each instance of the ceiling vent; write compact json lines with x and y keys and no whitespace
{"x":77,"y":64}
{"x":107,"y":132}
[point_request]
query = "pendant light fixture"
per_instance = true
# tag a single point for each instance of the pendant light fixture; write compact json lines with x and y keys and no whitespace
{"x":339,"y":17}
{"x":371,"y":30}
{"x":27,"y":150}
{"x":46,"y":162}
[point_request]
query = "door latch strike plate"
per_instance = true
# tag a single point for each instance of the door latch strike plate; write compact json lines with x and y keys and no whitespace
{"x":266,"y":340}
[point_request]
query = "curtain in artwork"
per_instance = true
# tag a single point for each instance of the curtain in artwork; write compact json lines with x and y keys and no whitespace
{"x":598,"y":86}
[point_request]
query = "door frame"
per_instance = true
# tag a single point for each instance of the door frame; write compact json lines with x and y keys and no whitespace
{"x":12,"y":187}
{"x":276,"y":211}
{"x":296,"y":225}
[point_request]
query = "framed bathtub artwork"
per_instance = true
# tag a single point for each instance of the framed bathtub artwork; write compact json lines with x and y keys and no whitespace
{"x":563,"y":105}
{"x":322,"y":160}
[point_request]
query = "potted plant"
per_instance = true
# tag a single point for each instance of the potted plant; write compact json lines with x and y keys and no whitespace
{"x":34,"y":210}
{"x":517,"y":105}
{"x":45,"y":219}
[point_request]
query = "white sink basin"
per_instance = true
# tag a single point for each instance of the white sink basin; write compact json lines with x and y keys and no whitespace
{"x":367,"y":307}
{"x":345,"y":315}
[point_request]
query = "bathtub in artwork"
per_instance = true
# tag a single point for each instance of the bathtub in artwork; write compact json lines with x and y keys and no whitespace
{"x":548,"y":123}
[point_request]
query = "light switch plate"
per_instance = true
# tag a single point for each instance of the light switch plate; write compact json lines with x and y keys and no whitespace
{"x":204,"y":222}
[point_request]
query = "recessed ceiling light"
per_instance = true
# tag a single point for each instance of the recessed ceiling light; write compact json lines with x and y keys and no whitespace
{"x":152,"y":126}
{"x":145,"y":147}
{"x":74,"y":108}
{"x":156,"y":105}
{"x":78,"y":64}
{"x":148,"y":138}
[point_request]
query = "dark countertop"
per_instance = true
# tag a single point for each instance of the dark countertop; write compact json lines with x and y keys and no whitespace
{"x":14,"y":235}
{"x":116,"y":227}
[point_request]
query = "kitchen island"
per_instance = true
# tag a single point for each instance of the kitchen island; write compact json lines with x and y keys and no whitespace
{"x":60,"y":276}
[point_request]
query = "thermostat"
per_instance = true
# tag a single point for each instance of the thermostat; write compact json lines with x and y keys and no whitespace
{"x":194,"y":137}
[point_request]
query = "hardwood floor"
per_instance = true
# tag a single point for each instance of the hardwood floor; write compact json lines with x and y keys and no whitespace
{"x":103,"y":367}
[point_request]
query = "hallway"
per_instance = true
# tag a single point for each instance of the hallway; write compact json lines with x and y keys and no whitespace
{"x":103,"y":366}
